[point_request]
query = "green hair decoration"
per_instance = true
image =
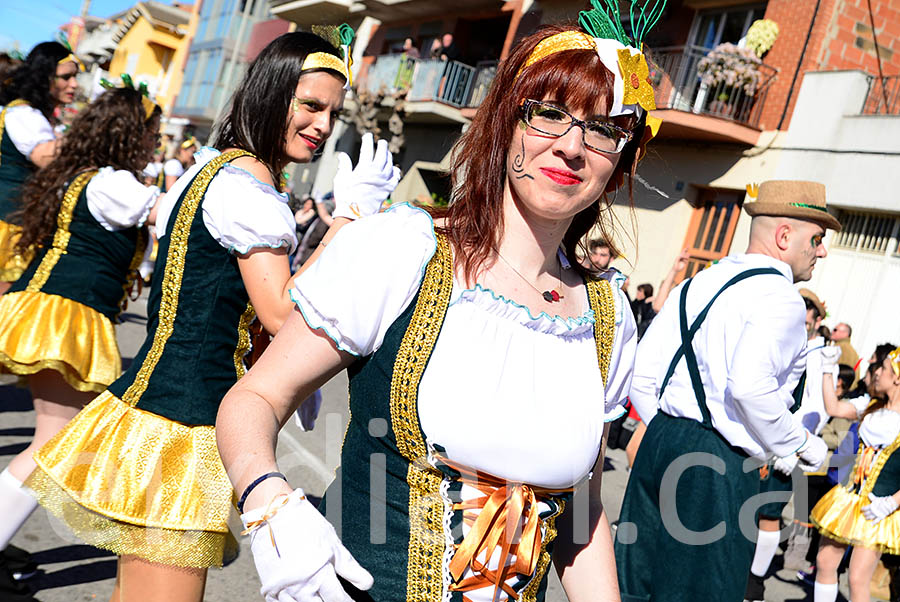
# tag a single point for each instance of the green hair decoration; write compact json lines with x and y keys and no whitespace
{"x":336,"y":35}
{"x":127,"y":82}
{"x":604,"y":20}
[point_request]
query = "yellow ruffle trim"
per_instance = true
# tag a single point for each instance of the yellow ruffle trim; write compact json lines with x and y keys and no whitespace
{"x":11,"y":263}
{"x":135,"y":483}
{"x":838,"y":516}
{"x":39,"y":331}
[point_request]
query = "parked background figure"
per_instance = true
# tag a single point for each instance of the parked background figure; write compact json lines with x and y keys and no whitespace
{"x":180,"y":161}
{"x":840,"y":335}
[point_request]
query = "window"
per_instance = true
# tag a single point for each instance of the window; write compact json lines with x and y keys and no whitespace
{"x":868,"y":232}
{"x":711,"y":228}
{"x":714,"y":27}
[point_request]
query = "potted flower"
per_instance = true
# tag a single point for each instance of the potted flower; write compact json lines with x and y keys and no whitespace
{"x":730,"y":72}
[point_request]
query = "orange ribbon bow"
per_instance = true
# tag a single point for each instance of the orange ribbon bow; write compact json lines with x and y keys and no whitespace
{"x":508,"y":519}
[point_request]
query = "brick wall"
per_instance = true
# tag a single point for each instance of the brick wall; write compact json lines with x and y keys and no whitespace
{"x":841,"y":38}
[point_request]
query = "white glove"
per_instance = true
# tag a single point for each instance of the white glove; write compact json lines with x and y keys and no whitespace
{"x":360,"y":191}
{"x":880,"y":508}
{"x":830,"y":357}
{"x":813,"y":453}
{"x":306,"y":557}
{"x":786,"y":464}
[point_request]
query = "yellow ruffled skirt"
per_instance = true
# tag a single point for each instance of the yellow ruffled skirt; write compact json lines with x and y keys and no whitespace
{"x":12,"y":264}
{"x":838,"y":517}
{"x":135,"y":483}
{"x":39,"y":331}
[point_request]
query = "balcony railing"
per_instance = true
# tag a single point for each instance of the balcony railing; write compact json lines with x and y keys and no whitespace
{"x":883,"y":97}
{"x":448,"y":82}
{"x":680,"y":85}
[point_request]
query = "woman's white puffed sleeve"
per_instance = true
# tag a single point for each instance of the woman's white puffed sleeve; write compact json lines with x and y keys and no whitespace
{"x":242,"y":213}
{"x":117,"y":200}
{"x":621,"y":364}
{"x":366,"y":277}
{"x":27,"y":128}
{"x":173,"y":167}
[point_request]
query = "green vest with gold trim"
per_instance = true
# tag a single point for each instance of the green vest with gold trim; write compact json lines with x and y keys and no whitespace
{"x":14,"y":168}
{"x":198,"y":318}
{"x":85,"y":262}
{"x":405,"y":553}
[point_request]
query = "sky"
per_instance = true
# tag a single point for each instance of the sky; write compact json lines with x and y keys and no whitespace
{"x":26,"y":23}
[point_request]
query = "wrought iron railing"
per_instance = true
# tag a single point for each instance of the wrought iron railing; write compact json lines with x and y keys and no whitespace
{"x":485,"y":72}
{"x":883,"y":97}
{"x":677,"y":75}
{"x":448,"y":82}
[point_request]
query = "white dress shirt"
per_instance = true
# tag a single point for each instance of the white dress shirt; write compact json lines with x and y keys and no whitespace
{"x":750,"y":353}
{"x":812,"y":412}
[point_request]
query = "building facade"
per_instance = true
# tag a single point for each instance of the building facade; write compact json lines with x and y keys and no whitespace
{"x":216,"y":60}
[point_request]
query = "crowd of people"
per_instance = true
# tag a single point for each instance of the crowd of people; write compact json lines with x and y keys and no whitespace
{"x":491,"y":453}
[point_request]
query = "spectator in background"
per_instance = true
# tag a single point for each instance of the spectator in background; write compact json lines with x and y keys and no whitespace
{"x":410,"y":50}
{"x":840,"y":336}
{"x":436,"y":49}
{"x":183,"y":158}
{"x":642,"y":307}
{"x":599,"y":255}
{"x":449,"y":51}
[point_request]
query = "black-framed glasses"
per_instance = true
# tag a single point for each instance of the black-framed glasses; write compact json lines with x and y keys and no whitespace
{"x":549,"y":119}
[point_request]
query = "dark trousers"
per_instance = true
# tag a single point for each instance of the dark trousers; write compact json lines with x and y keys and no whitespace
{"x":659,"y":560}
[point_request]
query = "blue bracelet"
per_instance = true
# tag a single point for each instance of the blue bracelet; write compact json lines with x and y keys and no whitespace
{"x":251,"y":486}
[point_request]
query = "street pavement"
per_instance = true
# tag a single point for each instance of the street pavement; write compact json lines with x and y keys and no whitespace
{"x":73,"y":572}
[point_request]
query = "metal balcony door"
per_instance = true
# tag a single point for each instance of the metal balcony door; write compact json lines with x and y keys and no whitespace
{"x":712,"y":228}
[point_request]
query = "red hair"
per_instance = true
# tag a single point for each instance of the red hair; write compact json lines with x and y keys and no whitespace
{"x":575,"y":77}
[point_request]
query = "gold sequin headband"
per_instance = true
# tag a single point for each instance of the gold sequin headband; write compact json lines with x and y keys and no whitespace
{"x":324,"y":60}
{"x":894,"y":356}
{"x":566,"y":40}
{"x":189,"y":142}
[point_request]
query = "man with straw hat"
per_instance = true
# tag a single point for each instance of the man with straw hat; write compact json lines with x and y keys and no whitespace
{"x":714,"y":380}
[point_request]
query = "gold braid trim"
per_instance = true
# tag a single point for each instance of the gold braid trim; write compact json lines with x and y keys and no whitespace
{"x":174,"y":271}
{"x":876,"y":468}
{"x":424,"y":582}
{"x":600,"y":297}
{"x":529,"y":594}
{"x":17,"y":102}
{"x":61,"y":236}
{"x":243,"y":345}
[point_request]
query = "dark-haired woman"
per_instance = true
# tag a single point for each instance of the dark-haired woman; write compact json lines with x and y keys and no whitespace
{"x":484,"y":362}
{"x":862,"y":514}
{"x":84,"y":214}
{"x":45,"y":80}
{"x":137,"y":471}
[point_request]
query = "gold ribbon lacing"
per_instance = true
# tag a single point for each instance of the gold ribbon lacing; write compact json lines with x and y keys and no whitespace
{"x":507,"y":518}
{"x":864,"y":466}
{"x":277,"y":503}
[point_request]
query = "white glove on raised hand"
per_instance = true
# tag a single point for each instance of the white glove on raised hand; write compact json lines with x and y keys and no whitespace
{"x":786,"y":464}
{"x":830,"y":356}
{"x":306,"y":557}
{"x":360,"y":191}
{"x":813,"y":453}
{"x":880,"y":508}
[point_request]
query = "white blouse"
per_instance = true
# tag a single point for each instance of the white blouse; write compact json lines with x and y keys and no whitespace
{"x":27,"y":128}
{"x":496,"y":368}
{"x":239,"y":211}
{"x":118,"y":200}
{"x":173,"y":167}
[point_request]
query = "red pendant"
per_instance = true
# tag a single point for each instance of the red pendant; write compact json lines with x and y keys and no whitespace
{"x":551,"y":296}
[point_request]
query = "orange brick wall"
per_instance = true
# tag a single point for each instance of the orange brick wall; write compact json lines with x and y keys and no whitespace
{"x":841,"y":38}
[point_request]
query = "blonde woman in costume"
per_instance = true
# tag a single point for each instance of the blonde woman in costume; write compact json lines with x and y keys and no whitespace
{"x":863,"y":513}
{"x":84,"y":214}
{"x":225,"y":232}
{"x":183,"y":159}
{"x":477,"y":447}
{"x":45,"y":81}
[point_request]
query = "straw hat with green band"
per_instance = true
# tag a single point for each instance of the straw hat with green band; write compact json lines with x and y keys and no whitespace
{"x":791,"y":198}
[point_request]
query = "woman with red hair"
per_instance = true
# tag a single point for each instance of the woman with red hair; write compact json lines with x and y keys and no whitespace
{"x":484,"y":360}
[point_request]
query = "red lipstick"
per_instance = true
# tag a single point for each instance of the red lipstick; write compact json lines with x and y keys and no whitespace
{"x":561,"y":176}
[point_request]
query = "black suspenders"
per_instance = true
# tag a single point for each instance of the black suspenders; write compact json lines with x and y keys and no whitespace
{"x":687,"y":337}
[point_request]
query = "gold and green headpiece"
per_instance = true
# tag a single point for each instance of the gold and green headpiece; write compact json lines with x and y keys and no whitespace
{"x":128,"y":83}
{"x":340,"y":37}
